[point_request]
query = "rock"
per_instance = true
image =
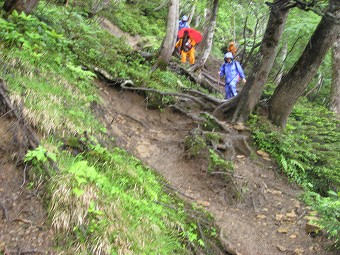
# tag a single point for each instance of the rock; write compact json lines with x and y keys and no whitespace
{"x":240,"y":156}
{"x":239,"y":126}
{"x":311,"y":218}
{"x":312,"y":228}
{"x":279,"y":217}
{"x":283,"y":230}
{"x":263,"y":153}
{"x":281,"y":248}
{"x":274,"y":192}
{"x":261,"y":216}
{"x":292,"y":214}
{"x":266,"y":158}
{"x":203,"y":203}
{"x":299,"y":251}
{"x":292,"y":236}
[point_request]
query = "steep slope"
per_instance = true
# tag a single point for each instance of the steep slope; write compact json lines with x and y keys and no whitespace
{"x":263,"y":216}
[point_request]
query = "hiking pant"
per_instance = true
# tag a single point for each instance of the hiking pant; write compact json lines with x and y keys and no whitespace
{"x":230,"y":89}
{"x":190,"y":54}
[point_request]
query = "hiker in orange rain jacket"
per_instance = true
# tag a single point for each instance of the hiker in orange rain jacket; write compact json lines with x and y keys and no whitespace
{"x":232,"y":48}
{"x":185,"y":45}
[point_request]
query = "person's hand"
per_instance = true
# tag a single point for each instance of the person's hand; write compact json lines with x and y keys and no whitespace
{"x":219,"y":72}
{"x":244,"y":80}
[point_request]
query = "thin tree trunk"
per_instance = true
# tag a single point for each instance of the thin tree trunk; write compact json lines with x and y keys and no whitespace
{"x":209,"y":35}
{"x":335,"y":92}
{"x":169,"y":41}
{"x":251,"y":93}
{"x":26,"y":6}
{"x":295,"y":82}
{"x":281,"y":63}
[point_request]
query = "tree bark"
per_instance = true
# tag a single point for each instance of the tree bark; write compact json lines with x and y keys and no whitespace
{"x":295,"y":82}
{"x":281,"y":63}
{"x":26,"y":6}
{"x":169,"y":41}
{"x":251,"y":93}
{"x":335,"y":91}
{"x":209,"y":35}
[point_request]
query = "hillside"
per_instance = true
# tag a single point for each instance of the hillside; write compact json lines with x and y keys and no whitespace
{"x":101,"y":156}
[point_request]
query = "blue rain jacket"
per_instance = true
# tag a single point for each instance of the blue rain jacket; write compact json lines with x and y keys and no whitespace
{"x":232,"y":71}
{"x":182,"y":24}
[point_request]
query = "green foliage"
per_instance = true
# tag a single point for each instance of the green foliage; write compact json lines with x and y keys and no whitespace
{"x":217,"y":164}
{"x":307,"y":151}
{"x":194,"y":144}
{"x":139,"y":19}
{"x":328,"y":209}
{"x":123,"y":205}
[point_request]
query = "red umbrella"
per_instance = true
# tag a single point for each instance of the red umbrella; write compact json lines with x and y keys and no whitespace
{"x":193,"y":33}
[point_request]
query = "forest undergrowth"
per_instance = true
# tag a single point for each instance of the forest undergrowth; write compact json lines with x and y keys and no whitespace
{"x":47,"y":62}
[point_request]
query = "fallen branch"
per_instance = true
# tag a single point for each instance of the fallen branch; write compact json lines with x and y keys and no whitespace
{"x":23,"y":220}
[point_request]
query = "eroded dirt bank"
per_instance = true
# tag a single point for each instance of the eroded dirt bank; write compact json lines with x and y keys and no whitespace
{"x":263,"y":218}
{"x":23,"y":228}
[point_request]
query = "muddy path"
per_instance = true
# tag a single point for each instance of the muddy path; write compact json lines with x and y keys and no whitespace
{"x":263,"y":218}
{"x":23,"y":227}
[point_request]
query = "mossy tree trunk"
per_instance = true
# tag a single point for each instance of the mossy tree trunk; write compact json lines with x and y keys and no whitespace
{"x":295,"y":82}
{"x":26,"y":6}
{"x":335,"y":92}
{"x":169,"y":40}
{"x":251,"y":93}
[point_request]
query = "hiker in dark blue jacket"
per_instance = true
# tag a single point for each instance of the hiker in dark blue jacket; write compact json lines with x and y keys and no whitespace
{"x":233,"y":72}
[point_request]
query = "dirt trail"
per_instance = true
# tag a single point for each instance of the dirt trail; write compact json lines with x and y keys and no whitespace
{"x":22,"y":217}
{"x":266,"y":220}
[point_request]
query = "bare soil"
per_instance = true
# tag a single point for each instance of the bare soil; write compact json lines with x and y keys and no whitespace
{"x":262,"y":217}
{"x":258,"y":213}
{"x":23,"y":228}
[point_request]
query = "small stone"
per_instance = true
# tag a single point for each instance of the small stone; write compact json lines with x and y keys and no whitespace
{"x":240,"y":156}
{"x":265,"y":209}
{"x":239,"y":126}
{"x":292,"y":214}
{"x":283,"y":230}
{"x":261,"y":216}
{"x":292,"y":236}
{"x":203,"y":203}
{"x":267,"y":158}
{"x":279,"y":217}
{"x":263,"y":153}
{"x":299,"y":251}
{"x":275,"y":192}
{"x":281,"y":248}
{"x":263,"y":176}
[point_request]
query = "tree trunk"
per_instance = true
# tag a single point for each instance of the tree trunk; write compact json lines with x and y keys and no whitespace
{"x":169,"y":41}
{"x":295,"y":82}
{"x":26,"y":6}
{"x":281,"y":63}
{"x":251,"y":93}
{"x":209,"y":35}
{"x":335,"y":92}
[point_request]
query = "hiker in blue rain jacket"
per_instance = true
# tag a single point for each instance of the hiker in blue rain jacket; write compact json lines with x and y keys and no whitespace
{"x":183,"y":23}
{"x":232,"y":71}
